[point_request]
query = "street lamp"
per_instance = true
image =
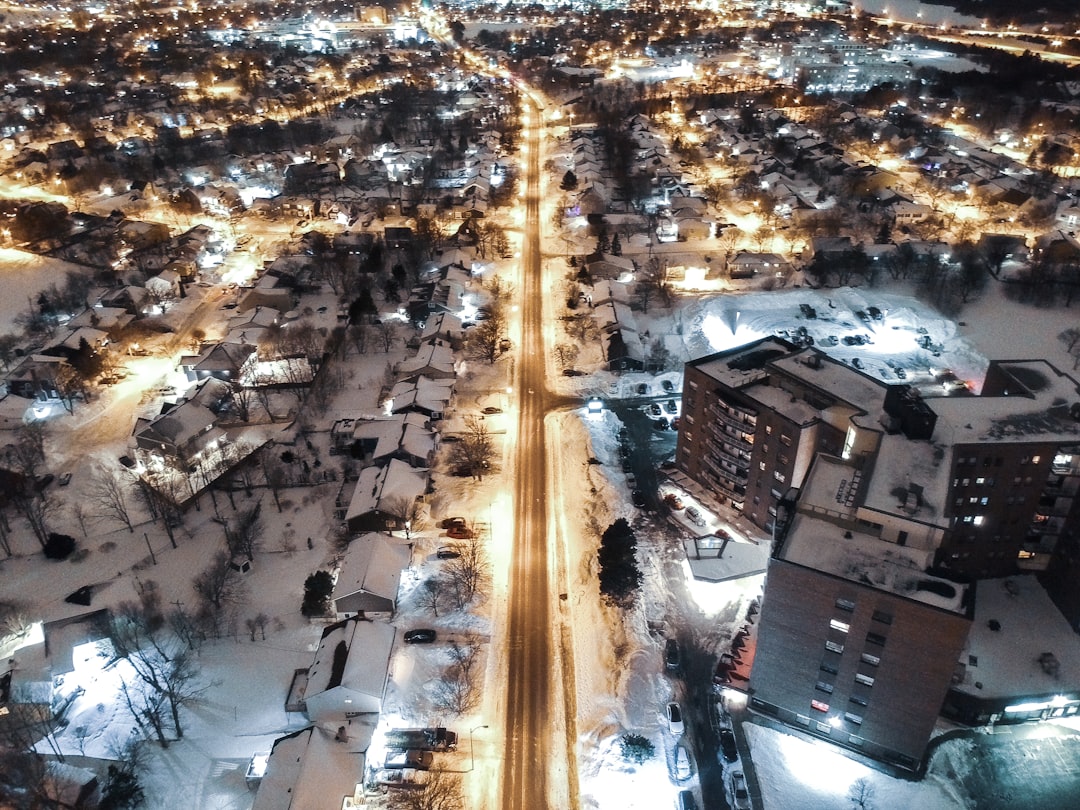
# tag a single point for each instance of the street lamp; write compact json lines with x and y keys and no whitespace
{"x":472,"y":753}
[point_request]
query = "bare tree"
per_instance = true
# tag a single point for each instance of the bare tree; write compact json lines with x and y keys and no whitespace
{"x":470,"y":572}
{"x":217,"y":584}
{"x":38,"y":509}
{"x":361,"y":335}
{"x":475,"y":451}
{"x":485,"y":340}
{"x":566,"y":354}
{"x":242,"y":534}
{"x":861,"y":794}
{"x":442,"y":791}
{"x":409,"y":512}
{"x":457,"y":691}
{"x":431,"y":594}
{"x":110,"y":493}
{"x":165,"y":676}
{"x":387,"y":331}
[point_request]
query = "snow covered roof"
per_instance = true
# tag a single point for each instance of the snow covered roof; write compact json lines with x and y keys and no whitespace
{"x":370,"y":574}
{"x":423,"y":393}
{"x":309,"y":769}
{"x":820,"y":544}
{"x":379,"y":485}
{"x":408,"y":432}
{"x":428,"y":357}
{"x":1035,"y":407}
{"x":368,"y":645}
{"x":1008,"y":661}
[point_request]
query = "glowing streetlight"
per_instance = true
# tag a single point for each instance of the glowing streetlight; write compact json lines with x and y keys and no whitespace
{"x":472,"y":753}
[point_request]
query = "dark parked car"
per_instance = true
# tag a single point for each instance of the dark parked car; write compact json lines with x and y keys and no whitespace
{"x":727,"y":745}
{"x":450,"y":522}
{"x":424,"y":636}
{"x":672,"y":659}
{"x":638,"y":497}
{"x":671,"y":406}
{"x":490,"y":409}
{"x":667,"y":385}
{"x":661,"y":424}
{"x":654,"y":409}
{"x":643,"y":388}
{"x":447,"y":553}
{"x":41,"y":483}
{"x":572,"y":372}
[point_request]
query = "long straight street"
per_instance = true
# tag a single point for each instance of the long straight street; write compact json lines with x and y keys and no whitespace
{"x":530,"y":708}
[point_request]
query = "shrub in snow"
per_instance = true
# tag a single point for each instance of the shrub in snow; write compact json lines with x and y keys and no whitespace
{"x":317,"y":590}
{"x":636,"y":748}
{"x":59,"y":546}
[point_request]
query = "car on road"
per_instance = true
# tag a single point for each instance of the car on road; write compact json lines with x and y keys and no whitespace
{"x":447,"y":553}
{"x":727,"y":745}
{"x":673,"y":501}
{"x":420,"y":636}
{"x":638,"y":498}
{"x":65,"y":479}
{"x":674,"y":719}
{"x":572,"y":372}
{"x":491,"y":409}
{"x":693,"y":514}
{"x":460,"y":532}
{"x":740,"y":797}
{"x":667,"y":385}
{"x":672,"y":659}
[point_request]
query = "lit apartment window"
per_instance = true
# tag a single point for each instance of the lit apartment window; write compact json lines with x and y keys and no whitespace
{"x":834,"y":646}
{"x":779,"y":476}
{"x":785,"y":440}
{"x":872,"y":660}
{"x":819,"y":706}
{"x":865,"y":680}
{"x":761,"y":466}
{"x":845,"y":604}
{"x":978,"y":521}
{"x":836,"y":624}
{"x":851,"y":717}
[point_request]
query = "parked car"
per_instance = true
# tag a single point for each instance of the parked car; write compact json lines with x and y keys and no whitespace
{"x":682,"y":764}
{"x":65,"y":479}
{"x":491,"y":409}
{"x":420,"y":636}
{"x":673,"y":501}
{"x":672,"y":659}
{"x":654,"y":409}
{"x":643,"y":389}
{"x":41,"y":483}
{"x":674,"y":719}
{"x":671,"y":406}
{"x":740,"y":797}
{"x":638,"y":498}
{"x":572,"y":372}
{"x":693,"y":514}
{"x":727,"y":745}
{"x":667,"y":385}
{"x":451,"y":522}
{"x":447,"y":553}
{"x":661,"y":424}
{"x":685,"y":801}
{"x":460,"y":532}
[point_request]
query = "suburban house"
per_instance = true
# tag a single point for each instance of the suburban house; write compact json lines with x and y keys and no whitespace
{"x":424,"y":396}
{"x":403,"y":436}
{"x":382,"y":496}
{"x":311,"y":768}
{"x":431,"y":360}
{"x":229,"y":362}
{"x":35,"y":377}
{"x":443,"y":328}
{"x":349,"y":673}
{"x":368,"y":580}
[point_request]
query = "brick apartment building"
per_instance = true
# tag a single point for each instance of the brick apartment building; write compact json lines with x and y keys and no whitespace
{"x":887,"y":508}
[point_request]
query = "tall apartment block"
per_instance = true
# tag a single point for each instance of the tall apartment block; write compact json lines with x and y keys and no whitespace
{"x":891,"y":513}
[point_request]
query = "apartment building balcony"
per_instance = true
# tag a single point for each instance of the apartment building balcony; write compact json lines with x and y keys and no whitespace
{"x":730,"y":454}
{"x":739,"y":421}
{"x":738,"y":438}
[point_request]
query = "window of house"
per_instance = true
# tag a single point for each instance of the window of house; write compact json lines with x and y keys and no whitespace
{"x":768,"y":430}
{"x":851,"y":717}
{"x":779,"y":476}
{"x":761,"y":466}
{"x":785,"y":440}
{"x":819,"y":706}
{"x":834,"y":646}
{"x":845,"y":604}
{"x":836,"y":624}
{"x":823,"y":686}
{"x":858,"y":701}
{"x":872,"y":660}
{"x":865,"y":680}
